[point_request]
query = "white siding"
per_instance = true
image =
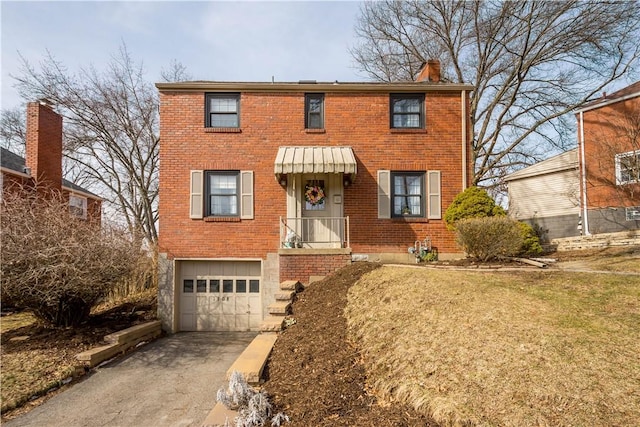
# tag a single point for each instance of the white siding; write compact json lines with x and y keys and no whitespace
{"x":544,"y":196}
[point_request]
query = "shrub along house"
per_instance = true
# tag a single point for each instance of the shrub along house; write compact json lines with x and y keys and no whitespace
{"x":43,"y":164}
{"x":266,"y":182}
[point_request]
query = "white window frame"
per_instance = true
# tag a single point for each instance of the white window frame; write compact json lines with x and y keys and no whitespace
{"x":619,"y":157}
{"x":80,"y":203}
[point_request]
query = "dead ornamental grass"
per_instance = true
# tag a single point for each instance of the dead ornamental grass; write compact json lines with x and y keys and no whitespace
{"x":510,"y":349}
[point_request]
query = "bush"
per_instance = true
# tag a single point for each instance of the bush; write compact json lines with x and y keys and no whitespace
{"x":473,"y":202}
{"x":57,"y":265}
{"x":531,"y":242}
{"x":490,"y":237}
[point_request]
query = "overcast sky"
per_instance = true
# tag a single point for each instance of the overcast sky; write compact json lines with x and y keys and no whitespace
{"x":231,"y":40}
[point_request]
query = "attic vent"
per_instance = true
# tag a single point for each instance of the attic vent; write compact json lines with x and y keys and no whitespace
{"x":302,"y":82}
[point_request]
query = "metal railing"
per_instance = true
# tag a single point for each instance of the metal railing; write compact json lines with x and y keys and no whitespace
{"x":328,"y":232}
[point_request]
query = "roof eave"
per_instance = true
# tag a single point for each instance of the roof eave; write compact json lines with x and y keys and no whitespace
{"x":608,"y":102}
{"x":312,"y":87}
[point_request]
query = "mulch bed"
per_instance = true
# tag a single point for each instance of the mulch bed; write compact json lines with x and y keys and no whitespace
{"x":315,"y":375}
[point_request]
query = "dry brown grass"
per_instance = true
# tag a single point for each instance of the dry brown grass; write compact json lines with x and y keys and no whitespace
{"x":531,"y":348}
{"x":16,"y":320}
{"x":615,"y":259}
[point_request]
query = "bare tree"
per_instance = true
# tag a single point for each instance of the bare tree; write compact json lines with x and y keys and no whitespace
{"x":111,"y":132}
{"x":55,"y":264}
{"x":13,"y":130}
{"x":530,"y":62}
{"x":176,"y":72}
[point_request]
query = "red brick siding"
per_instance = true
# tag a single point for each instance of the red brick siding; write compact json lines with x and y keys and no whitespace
{"x":605,"y":134}
{"x":44,"y":145}
{"x":301,"y":267}
{"x":270,"y":120}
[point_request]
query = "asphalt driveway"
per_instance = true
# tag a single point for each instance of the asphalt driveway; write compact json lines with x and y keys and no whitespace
{"x":170,"y":382}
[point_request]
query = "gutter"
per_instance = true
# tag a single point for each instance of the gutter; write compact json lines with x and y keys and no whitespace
{"x":465,"y":138}
{"x":583,"y":178}
{"x":206,"y":86}
{"x":609,"y":102}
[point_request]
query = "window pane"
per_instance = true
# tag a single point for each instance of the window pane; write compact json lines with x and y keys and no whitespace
{"x":201,"y":285}
{"x":214,"y":286}
{"x":224,"y":105}
{"x":314,"y":121}
{"x":406,"y":205}
{"x":224,"y":120}
{"x":223,"y":184}
{"x":406,"y":105}
{"x":406,"y":120}
{"x":187,"y":286}
{"x":254,"y":286}
{"x":241,"y":286}
{"x":227,"y":286}
{"x":224,"y":205}
{"x":315,"y":105}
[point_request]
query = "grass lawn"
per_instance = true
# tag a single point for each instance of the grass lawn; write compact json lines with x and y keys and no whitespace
{"x":614,"y":259}
{"x":489,"y":348}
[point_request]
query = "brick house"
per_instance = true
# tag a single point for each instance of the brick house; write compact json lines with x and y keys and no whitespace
{"x":609,"y":159}
{"x":43,"y":163}
{"x":262,"y":183}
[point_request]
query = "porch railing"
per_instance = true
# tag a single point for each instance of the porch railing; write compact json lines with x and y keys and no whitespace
{"x":314,"y":232}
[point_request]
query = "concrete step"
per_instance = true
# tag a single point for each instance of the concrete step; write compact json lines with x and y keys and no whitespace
{"x":252,"y":360}
{"x":285,"y":295}
{"x":220,"y":416}
{"x":272,"y":324}
{"x":291,"y":285}
{"x":279,"y":308}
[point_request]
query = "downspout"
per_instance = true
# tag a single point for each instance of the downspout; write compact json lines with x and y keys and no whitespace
{"x":464,"y":139}
{"x":583,"y":178}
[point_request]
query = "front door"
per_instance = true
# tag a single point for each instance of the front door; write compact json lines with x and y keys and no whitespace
{"x":321,"y":203}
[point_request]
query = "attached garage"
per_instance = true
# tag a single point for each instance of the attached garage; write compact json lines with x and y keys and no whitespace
{"x":219,"y":295}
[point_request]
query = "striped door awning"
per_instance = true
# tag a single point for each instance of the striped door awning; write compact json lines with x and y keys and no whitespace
{"x":295,"y":160}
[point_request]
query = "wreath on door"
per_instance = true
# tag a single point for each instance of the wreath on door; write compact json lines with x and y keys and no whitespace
{"x":314,"y":194}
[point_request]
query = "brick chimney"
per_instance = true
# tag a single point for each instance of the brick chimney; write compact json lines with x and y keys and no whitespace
{"x":430,"y":71}
{"x":44,"y":144}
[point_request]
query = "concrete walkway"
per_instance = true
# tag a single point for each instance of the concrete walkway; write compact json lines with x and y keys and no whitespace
{"x":171,"y":382}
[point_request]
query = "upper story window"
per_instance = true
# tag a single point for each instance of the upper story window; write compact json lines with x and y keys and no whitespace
{"x":407,"y":111}
{"x":223,"y":110}
{"x":78,"y":206}
{"x":222,"y":197}
{"x":407,"y":194}
{"x":314,"y":111}
{"x":628,"y":167}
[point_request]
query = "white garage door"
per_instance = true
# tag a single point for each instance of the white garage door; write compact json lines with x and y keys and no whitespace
{"x":220,"y":295}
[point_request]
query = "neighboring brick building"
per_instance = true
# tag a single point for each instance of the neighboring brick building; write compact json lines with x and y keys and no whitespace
{"x":43,"y":163}
{"x":265,"y":182}
{"x":609,"y":158}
